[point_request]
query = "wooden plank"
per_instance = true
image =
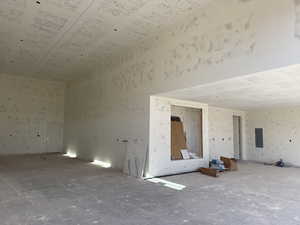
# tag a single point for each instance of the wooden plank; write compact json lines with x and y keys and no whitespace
{"x":209,"y":172}
{"x":178,"y":140}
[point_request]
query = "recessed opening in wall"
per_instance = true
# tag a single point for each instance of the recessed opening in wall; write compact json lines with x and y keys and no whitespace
{"x":186,"y":133}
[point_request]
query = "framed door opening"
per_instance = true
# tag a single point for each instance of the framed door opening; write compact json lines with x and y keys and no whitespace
{"x":237,"y":139}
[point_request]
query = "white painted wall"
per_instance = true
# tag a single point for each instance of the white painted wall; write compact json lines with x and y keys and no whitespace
{"x":217,"y":135}
{"x":220,"y":132}
{"x":114,"y":103}
{"x":160,"y":162}
{"x":279,"y":127}
{"x":31,"y":115}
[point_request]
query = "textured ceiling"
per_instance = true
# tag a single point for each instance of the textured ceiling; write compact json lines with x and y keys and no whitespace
{"x":274,"y":88}
{"x":60,"y":39}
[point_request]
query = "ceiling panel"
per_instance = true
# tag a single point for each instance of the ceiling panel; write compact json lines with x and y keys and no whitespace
{"x":57,"y":39}
{"x":275,"y":88}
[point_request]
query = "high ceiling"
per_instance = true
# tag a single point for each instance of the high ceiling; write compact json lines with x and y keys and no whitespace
{"x":60,"y":39}
{"x":275,"y":88}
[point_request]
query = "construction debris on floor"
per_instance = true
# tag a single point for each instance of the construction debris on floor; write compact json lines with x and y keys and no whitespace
{"x":229,"y":163}
{"x":279,"y":163}
{"x":209,"y":172}
{"x":217,"y":166}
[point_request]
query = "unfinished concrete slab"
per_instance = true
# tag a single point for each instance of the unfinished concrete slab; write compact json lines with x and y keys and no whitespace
{"x":52,"y":189}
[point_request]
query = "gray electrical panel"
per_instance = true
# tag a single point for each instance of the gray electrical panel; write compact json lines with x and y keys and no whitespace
{"x":259,"y":139}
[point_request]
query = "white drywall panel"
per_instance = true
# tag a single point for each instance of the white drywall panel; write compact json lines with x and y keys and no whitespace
{"x":31,"y":115}
{"x":281,"y":131}
{"x":220,"y":132}
{"x":160,"y":162}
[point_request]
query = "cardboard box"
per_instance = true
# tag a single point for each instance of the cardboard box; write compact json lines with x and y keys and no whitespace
{"x":229,"y":163}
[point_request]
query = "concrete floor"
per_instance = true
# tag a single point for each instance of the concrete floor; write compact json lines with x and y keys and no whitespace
{"x":52,"y":189}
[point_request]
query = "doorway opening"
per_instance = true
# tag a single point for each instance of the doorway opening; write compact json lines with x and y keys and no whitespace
{"x":237,"y":140}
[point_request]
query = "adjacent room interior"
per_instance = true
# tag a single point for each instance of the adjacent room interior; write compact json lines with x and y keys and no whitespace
{"x":149,"y":112}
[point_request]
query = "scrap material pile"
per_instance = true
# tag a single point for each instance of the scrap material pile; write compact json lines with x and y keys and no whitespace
{"x":282,"y":164}
{"x":179,"y":148}
{"x":217,"y":166}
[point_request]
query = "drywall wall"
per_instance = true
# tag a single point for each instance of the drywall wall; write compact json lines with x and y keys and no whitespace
{"x":112,"y":105}
{"x":160,"y":162}
{"x":217,"y":134}
{"x":31,"y":115}
{"x":192,"y":125}
{"x":281,"y":131}
{"x":220,"y":131}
